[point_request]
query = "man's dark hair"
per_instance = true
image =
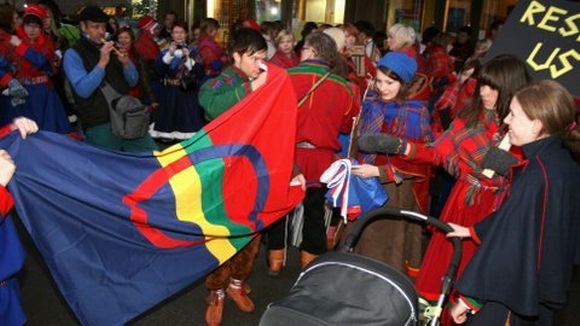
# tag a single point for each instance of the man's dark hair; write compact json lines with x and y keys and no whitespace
{"x":94,"y":14}
{"x":365,"y":27}
{"x":428,"y":34}
{"x":308,"y":28}
{"x":247,"y":40}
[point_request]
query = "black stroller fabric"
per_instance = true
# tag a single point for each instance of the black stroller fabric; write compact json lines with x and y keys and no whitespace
{"x":345,"y":289}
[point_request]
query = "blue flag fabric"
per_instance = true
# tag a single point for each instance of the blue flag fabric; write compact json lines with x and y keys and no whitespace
{"x":120,"y":232}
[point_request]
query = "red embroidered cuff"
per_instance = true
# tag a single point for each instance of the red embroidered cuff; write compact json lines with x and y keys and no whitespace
{"x":471,"y":303}
{"x":474,"y":235}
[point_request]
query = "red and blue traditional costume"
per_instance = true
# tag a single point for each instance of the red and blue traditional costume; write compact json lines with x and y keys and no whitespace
{"x":35,"y":63}
{"x":397,"y":243}
{"x":213,"y":56}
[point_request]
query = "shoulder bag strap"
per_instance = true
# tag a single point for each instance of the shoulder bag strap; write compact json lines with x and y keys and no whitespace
{"x":313,"y":88}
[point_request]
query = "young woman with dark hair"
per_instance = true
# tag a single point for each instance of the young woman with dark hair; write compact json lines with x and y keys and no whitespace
{"x":389,"y":111}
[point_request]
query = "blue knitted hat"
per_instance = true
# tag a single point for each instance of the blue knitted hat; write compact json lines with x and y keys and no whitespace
{"x":401,"y":64}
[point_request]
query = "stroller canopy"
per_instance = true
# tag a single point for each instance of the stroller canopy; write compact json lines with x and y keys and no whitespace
{"x":346,"y":289}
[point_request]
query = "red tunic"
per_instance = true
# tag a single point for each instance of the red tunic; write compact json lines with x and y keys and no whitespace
{"x":282,"y":60}
{"x":329,"y":110}
{"x":460,"y":151}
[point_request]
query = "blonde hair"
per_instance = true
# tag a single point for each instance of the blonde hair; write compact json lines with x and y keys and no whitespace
{"x":404,"y":35}
{"x":282,"y":34}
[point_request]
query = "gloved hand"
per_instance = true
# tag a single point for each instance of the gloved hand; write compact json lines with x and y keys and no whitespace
{"x":382,"y":143}
{"x":15,"y":89}
{"x":498,"y":160}
{"x":15,"y":101}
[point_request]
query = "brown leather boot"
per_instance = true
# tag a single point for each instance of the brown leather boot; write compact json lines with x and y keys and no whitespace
{"x":306,"y":258}
{"x":275,"y":261}
{"x":240,"y":297}
{"x":215,"y":308}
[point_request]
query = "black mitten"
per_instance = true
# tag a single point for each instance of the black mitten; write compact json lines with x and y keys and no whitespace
{"x":382,"y":143}
{"x":498,"y":160}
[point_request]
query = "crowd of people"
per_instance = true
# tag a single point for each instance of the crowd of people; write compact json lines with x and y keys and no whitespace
{"x":423,"y":105}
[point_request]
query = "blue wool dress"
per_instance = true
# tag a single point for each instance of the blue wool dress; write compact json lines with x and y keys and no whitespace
{"x":179,"y":115}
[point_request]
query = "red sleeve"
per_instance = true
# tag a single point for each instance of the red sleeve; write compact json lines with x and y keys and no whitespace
{"x":5,"y":130}
{"x":5,"y":80}
{"x":6,"y":201}
{"x":21,"y":49}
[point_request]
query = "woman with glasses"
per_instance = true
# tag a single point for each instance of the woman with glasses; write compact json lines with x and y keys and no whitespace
{"x":328,"y":107}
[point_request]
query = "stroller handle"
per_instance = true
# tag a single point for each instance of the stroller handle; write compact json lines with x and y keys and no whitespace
{"x":398,"y":213}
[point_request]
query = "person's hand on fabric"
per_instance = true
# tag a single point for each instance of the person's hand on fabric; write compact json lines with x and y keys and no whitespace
{"x":498,"y":160}
{"x":365,"y":170}
{"x":459,"y":313}
{"x":7,"y":168}
{"x":299,"y":180}
{"x":458,"y":231}
{"x":24,"y":126}
{"x":382,"y":143}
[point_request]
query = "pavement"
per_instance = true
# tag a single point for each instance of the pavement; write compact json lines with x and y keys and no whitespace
{"x":44,"y":306}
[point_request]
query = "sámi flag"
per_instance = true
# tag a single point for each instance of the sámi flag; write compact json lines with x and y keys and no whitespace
{"x":120,"y":232}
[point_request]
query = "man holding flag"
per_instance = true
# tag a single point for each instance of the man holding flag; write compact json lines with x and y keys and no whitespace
{"x":217,"y":96}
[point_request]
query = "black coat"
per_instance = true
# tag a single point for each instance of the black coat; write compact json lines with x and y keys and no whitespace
{"x":529,"y":245}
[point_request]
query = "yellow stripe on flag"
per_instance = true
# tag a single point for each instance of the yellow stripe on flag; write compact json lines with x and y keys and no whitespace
{"x":188,"y":208}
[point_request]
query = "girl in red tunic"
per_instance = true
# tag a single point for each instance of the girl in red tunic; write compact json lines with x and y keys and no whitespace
{"x":285,"y":56}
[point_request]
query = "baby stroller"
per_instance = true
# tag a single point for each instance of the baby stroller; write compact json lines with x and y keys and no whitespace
{"x":341,"y":288}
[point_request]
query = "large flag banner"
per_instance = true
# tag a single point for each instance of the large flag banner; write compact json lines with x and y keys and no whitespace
{"x":120,"y":232}
{"x":545,"y":35}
